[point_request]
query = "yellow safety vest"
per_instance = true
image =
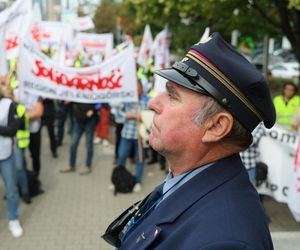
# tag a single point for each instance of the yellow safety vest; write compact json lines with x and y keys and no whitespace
{"x":13,"y":82}
{"x":23,"y":135}
{"x":285,"y":112}
{"x":151,"y":93}
{"x":141,"y":73}
{"x":12,"y":64}
{"x":78,"y":62}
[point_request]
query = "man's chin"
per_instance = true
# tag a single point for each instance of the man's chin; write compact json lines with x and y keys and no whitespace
{"x":155,"y":145}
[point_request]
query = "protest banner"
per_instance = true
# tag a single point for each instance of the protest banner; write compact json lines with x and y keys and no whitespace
{"x":277,"y":150}
{"x":97,"y":44}
{"x":111,"y":81}
{"x":294,"y":188}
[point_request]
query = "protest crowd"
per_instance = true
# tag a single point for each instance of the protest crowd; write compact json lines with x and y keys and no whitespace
{"x":72,"y":89}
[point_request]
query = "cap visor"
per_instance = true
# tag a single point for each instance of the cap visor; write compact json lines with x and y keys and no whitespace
{"x":174,"y":76}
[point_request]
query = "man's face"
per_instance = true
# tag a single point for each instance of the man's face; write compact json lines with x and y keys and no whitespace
{"x":173,"y":124}
{"x":289,"y":91}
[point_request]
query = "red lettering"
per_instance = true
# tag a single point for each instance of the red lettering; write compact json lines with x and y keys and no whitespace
{"x":82,"y":81}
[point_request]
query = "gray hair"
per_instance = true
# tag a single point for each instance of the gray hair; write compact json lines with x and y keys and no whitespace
{"x":238,"y":134}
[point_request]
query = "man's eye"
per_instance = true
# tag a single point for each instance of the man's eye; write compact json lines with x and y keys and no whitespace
{"x":171,"y":96}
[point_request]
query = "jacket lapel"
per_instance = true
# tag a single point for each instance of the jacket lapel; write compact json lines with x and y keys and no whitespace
{"x":203,"y":183}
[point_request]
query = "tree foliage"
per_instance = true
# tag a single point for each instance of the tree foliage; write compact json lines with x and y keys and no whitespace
{"x":105,"y":17}
{"x":187,"y":19}
{"x":287,"y":21}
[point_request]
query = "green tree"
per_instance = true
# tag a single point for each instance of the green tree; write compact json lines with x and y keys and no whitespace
{"x":187,"y":19}
{"x":287,"y":21}
{"x":105,"y":18}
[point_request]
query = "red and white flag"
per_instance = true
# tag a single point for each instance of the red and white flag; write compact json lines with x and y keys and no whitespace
{"x":160,"y":50}
{"x":3,"y":61}
{"x":294,"y":188}
{"x":35,"y":26}
{"x":145,"y":48}
{"x":15,"y":21}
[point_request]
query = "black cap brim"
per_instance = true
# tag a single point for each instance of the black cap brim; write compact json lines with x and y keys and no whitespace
{"x":174,"y":76}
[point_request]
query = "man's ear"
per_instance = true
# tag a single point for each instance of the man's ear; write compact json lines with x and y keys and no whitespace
{"x":217,"y":127}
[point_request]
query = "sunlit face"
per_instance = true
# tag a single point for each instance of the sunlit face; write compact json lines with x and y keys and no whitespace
{"x":173,"y":124}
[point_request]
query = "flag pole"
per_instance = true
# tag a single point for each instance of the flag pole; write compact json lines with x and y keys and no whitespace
{"x":140,"y":143}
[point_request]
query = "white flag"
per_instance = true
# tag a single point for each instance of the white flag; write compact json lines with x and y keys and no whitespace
{"x":83,"y":23}
{"x":15,"y":21}
{"x":160,"y":50}
{"x":3,"y":61}
{"x":145,"y":48}
{"x":205,"y":34}
{"x":294,"y":189}
{"x":35,"y":26}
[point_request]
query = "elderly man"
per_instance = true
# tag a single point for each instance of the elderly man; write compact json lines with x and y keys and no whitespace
{"x":214,"y":99}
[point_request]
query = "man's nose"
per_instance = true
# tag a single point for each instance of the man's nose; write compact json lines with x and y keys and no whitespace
{"x":155,"y":104}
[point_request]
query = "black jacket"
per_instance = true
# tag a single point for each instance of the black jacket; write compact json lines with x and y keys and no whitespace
{"x":80,"y":110}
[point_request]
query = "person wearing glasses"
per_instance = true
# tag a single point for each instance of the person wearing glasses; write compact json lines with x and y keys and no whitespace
{"x":214,"y":99}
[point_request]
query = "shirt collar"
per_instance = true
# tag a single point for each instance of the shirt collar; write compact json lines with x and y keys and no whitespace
{"x":170,"y":180}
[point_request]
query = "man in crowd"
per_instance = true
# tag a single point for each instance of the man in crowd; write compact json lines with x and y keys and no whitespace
{"x":85,"y":120}
{"x":9,"y":124}
{"x":214,"y":98}
{"x":287,"y":104}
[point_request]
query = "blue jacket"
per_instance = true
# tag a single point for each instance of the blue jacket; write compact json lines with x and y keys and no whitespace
{"x":217,"y":209}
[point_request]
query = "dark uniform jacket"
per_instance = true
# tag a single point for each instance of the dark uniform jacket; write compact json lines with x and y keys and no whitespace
{"x":217,"y":209}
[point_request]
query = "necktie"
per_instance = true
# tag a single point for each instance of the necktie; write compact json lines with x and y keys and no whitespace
{"x":147,"y":207}
{"x":153,"y":198}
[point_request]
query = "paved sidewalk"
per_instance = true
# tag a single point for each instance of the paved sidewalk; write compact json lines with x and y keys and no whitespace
{"x":75,"y":210}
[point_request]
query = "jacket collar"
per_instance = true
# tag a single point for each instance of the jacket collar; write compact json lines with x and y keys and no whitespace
{"x":204,"y":182}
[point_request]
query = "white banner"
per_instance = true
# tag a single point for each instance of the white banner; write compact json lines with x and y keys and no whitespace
{"x":97,"y":44}
{"x":277,"y":150}
{"x":294,"y":188}
{"x":15,"y":23}
{"x":145,"y":48}
{"x":111,"y":81}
